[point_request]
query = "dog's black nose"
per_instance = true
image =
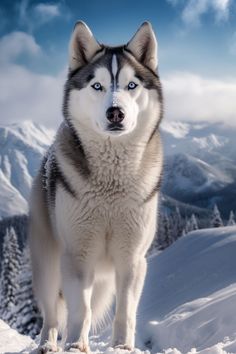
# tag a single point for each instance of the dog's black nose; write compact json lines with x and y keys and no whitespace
{"x":115,"y":115}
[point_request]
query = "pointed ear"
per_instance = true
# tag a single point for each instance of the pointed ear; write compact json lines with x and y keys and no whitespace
{"x":143,"y":46}
{"x":82,"y":47}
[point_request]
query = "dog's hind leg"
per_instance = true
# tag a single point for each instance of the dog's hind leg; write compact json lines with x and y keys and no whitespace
{"x":45,"y":265}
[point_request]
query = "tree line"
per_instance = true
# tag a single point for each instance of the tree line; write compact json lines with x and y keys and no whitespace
{"x":173,"y":225}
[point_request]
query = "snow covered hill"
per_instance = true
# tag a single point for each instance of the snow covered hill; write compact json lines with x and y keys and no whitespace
{"x":21,"y":149}
{"x":190,"y":293}
{"x":188,"y":304}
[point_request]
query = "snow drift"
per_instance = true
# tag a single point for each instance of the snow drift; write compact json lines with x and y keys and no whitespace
{"x":188,"y":303}
{"x":190,"y":293}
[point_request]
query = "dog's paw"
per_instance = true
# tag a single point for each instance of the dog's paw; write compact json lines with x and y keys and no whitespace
{"x":48,"y":347}
{"x":124,"y":347}
{"x":78,"y":347}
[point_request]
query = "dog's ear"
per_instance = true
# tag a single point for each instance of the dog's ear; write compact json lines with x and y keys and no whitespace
{"x":143,"y":46}
{"x":82,"y":47}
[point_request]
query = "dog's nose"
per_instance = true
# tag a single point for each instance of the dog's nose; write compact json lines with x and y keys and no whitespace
{"x":115,"y":115}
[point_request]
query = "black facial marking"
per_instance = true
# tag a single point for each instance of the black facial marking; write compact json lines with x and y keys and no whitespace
{"x":80,"y":77}
{"x":90,"y":77}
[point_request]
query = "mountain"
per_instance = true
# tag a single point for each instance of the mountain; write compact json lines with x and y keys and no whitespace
{"x":199,"y":166}
{"x":21,"y":149}
{"x":187,"y":304}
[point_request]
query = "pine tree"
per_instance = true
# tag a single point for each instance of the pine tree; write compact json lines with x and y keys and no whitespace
{"x":177,"y":224}
{"x":194,"y":223}
{"x":167,"y":239}
{"x":159,"y":237}
{"x":28,"y":320}
{"x":10,"y":270}
{"x":231,"y":220}
{"x":188,"y":226}
{"x":216,"y":220}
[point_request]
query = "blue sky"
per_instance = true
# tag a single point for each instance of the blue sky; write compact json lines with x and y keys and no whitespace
{"x":197,"y":52}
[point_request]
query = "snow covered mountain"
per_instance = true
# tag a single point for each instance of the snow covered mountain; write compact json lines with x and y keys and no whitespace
{"x":188,"y":302}
{"x":21,"y":149}
{"x":200,"y":165}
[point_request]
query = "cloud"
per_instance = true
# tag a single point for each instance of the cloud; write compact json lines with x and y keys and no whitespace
{"x":25,"y":94}
{"x":33,"y":16}
{"x":47,"y":11}
{"x":191,"y":97}
{"x":193,"y":10}
{"x":16,"y":43}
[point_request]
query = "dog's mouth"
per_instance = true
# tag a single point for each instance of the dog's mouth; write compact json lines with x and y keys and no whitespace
{"x":115,"y":127}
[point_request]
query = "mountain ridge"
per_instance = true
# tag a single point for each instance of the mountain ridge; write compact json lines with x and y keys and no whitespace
{"x":199,"y":165}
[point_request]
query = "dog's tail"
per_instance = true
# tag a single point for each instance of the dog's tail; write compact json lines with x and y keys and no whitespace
{"x":102,"y":297}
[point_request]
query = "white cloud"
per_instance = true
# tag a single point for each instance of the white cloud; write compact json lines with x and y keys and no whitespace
{"x":16,"y":43}
{"x":191,"y":97}
{"x":193,"y":10}
{"x":33,"y":16}
{"x":27,"y":95}
{"x":23,"y":93}
{"x":47,"y":11}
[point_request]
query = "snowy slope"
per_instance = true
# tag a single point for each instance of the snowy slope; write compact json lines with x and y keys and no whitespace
{"x":190,"y":292}
{"x":21,"y":149}
{"x":188,"y":302}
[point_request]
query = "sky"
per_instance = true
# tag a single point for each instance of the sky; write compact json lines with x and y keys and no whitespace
{"x":196,"y":50}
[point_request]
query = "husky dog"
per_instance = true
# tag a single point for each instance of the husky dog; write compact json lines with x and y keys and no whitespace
{"x":94,"y":201}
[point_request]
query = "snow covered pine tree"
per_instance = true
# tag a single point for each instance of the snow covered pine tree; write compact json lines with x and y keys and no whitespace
{"x":231,"y":220}
{"x":10,"y":269}
{"x":27,"y":317}
{"x":216,"y":220}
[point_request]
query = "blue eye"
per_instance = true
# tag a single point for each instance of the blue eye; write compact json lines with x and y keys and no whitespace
{"x":132,"y":85}
{"x":97,"y":86}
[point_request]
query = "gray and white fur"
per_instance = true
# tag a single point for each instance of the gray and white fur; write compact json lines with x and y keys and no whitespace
{"x":94,"y":201}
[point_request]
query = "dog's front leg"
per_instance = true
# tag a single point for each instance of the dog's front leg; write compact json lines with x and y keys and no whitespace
{"x":78,"y":279}
{"x":130,"y":275}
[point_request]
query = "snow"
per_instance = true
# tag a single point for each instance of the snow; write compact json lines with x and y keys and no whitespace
{"x":22,"y":147}
{"x":13,"y":342}
{"x":190,"y":292}
{"x":188,"y":303}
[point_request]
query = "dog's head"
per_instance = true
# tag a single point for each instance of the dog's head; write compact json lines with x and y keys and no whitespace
{"x":113,"y":90}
